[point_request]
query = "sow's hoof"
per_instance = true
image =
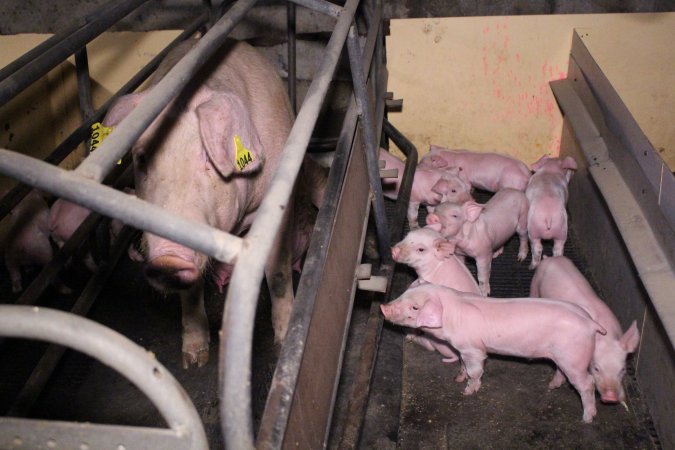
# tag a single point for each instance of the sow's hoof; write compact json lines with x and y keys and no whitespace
{"x":198,"y":358}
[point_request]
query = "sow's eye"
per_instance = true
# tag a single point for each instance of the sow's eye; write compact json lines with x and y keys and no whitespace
{"x":420,"y":250}
{"x":415,"y":308}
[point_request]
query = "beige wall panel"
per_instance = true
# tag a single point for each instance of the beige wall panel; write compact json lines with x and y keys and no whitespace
{"x":42,"y":116}
{"x":116,"y":57}
{"x":637,"y":54}
{"x":482,"y":82}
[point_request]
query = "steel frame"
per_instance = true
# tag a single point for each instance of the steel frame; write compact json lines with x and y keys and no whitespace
{"x":83,"y":186}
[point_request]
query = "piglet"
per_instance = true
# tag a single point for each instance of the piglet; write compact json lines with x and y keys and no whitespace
{"x":480,"y":231}
{"x":431,"y":256}
{"x":64,"y":219}
{"x":522,"y":327}
{"x":27,"y":243}
{"x":488,"y":171}
{"x":426,"y":251}
{"x":547,"y":194}
{"x":431,"y":186}
{"x":558,"y":278}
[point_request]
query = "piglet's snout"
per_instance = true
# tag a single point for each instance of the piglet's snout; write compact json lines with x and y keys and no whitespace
{"x":395,"y":252}
{"x":609,"y":396}
{"x":172,"y":272}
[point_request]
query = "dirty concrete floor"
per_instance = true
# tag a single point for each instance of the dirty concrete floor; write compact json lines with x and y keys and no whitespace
{"x":83,"y":389}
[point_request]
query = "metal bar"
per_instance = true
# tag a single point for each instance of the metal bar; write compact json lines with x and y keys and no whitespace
{"x":116,"y":351}
{"x":292,"y":77}
{"x":54,"y":41}
{"x":14,"y":196}
{"x":127,"y":208}
{"x":83,"y":83}
{"x":99,"y":163}
{"x":322,"y":6}
{"x":62,"y":49}
{"x":37,"y":434}
{"x":358,"y":402}
{"x":280,"y":399}
{"x":371,"y":141}
{"x":331,"y":308}
{"x":45,"y":367}
{"x":242,"y":296}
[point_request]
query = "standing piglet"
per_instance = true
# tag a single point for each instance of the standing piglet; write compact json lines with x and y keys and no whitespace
{"x":431,"y":256}
{"x":547,"y":194}
{"x":210,"y":157}
{"x":559,"y":279}
{"x":480,"y":231}
{"x":488,"y":171}
{"x":426,"y":251}
{"x":431,"y":186}
{"x":522,"y":327}
{"x":27,"y":243}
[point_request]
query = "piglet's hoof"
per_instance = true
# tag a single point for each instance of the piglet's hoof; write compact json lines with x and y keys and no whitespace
{"x":198,"y":358}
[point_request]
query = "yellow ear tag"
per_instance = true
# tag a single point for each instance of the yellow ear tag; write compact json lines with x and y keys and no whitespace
{"x":243,"y":155}
{"x":99,"y":133}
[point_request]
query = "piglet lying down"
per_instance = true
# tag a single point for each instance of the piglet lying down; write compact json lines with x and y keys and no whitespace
{"x":524,"y":327}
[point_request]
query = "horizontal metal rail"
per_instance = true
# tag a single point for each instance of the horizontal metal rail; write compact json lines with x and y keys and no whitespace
{"x":14,"y":196}
{"x":99,"y":163}
{"x":113,"y":203}
{"x":116,"y":351}
{"x":322,"y":6}
{"x":61,"y":48}
{"x":242,"y":296}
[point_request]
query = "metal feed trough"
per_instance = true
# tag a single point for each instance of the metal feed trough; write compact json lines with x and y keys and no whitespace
{"x":322,"y":302}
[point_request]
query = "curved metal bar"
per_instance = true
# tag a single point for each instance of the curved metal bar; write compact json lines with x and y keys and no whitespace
{"x":116,"y":351}
{"x":127,"y":208}
{"x":99,"y":163}
{"x":242,"y":295}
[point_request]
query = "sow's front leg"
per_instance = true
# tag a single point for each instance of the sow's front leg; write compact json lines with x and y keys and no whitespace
{"x":195,"y":324}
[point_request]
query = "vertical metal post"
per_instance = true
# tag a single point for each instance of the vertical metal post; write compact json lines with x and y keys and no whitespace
{"x":83,"y":83}
{"x":370,"y":138}
{"x":290,"y":12}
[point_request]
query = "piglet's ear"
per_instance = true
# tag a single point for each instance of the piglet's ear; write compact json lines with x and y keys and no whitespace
{"x":539,"y":163}
{"x":472,"y":210}
{"x":444,"y":248}
{"x":441,"y":187}
{"x":629,"y":341}
{"x":569,"y":163}
{"x":430,"y":315}
{"x":229,"y":136}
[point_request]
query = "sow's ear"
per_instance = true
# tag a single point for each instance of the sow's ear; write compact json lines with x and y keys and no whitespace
{"x":229,"y":136}
{"x":121,"y":108}
{"x":430,"y":314}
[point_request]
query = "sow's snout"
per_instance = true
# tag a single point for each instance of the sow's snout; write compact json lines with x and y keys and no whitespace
{"x":171,"y":272}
